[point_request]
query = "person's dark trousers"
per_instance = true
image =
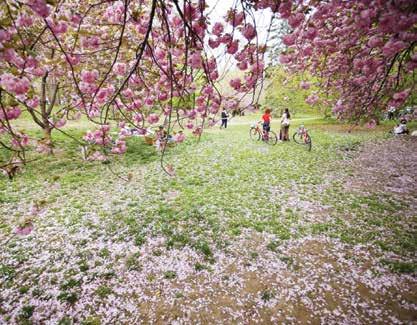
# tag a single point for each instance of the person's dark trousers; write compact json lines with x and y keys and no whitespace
{"x":224,"y":123}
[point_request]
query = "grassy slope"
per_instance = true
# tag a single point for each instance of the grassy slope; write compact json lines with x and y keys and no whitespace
{"x":227,"y":179}
{"x":224,"y":186}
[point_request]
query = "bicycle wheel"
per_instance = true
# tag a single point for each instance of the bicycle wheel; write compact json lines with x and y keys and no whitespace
{"x":307,"y":142}
{"x":298,"y":138}
{"x":254,"y":134}
{"x":272,"y":138}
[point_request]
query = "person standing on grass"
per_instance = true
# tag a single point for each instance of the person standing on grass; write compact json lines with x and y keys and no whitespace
{"x":225,"y":116}
{"x":266,"y":119}
{"x":401,"y":128}
{"x":285,"y":126}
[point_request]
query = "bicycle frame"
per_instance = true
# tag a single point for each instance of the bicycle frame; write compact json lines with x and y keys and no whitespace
{"x":263,"y":133}
{"x":302,"y":132}
{"x":257,"y":132}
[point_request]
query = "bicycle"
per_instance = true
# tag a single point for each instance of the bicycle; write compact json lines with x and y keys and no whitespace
{"x":256,"y":132}
{"x":301,"y":136}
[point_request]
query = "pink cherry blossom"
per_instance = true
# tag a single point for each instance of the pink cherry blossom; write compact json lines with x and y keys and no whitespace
{"x":236,"y":84}
{"x":285,"y":9}
{"x":249,"y":32}
{"x":312,"y":99}
{"x":24,"y":21}
{"x":296,"y":19}
{"x":128,"y":93}
{"x":243,"y":65}
{"x":284,"y":59}
{"x":232,"y":47}
{"x":14,"y":84}
{"x":218,"y":29}
{"x":226,"y":38}
{"x":119,"y":69}
{"x":311,"y":33}
{"x":235,"y":18}
{"x":289,"y":39}
{"x":162,"y":96}
{"x":195,"y":60}
{"x":192,"y":114}
{"x":208,"y":90}
{"x":137,"y":118}
{"x":149,"y":101}
{"x":89,"y":76}
{"x":197,"y":131}
{"x":34,"y":102}
{"x":402,"y":96}
{"x":24,"y":230}
{"x":12,"y":57}
{"x":39,"y":6}
{"x":119,"y":148}
{"x":60,"y":27}
{"x":153,"y":118}
{"x":375,"y":41}
{"x":4,"y":36}
{"x":371,"y":124}
{"x":60,"y":123}
{"x":97,"y":156}
{"x":392,"y":47}
{"x":179,"y":137}
{"x":305,"y":85}
{"x":213,"y":43}
{"x":160,"y":54}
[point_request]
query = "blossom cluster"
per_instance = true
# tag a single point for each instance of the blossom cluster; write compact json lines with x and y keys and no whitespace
{"x":363,"y":51}
{"x":124,"y":62}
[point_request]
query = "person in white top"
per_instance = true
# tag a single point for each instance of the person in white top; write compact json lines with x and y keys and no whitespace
{"x":285,"y":126}
{"x":401,"y":128}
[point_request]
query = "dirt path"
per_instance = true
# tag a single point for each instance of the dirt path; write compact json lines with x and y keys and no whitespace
{"x":387,"y":167}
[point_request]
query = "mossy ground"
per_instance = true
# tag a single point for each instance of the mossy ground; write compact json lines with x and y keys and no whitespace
{"x":238,"y":215}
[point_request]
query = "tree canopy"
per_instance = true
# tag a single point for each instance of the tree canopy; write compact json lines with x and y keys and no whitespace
{"x":147,"y":62}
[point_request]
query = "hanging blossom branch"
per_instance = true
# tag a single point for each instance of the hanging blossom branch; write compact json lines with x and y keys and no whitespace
{"x":365,"y":53}
{"x":135,"y":63}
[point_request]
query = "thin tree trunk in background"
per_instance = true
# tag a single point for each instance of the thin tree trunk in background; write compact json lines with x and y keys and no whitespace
{"x":46,"y":127}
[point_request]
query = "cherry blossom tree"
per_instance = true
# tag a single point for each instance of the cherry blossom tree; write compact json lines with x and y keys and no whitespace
{"x":362,"y":51}
{"x":117,"y":63}
{"x":139,"y":63}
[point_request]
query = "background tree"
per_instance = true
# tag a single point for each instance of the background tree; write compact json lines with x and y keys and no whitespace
{"x":362,"y":51}
{"x":139,"y":63}
{"x":118,"y":63}
{"x":279,"y":28}
{"x":290,"y":90}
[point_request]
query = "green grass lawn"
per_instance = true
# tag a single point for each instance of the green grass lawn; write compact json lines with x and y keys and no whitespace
{"x":237,"y":211}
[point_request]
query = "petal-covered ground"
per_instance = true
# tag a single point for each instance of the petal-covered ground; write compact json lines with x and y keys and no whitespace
{"x":244,"y":233}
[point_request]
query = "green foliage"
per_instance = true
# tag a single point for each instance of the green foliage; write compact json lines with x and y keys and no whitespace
{"x":279,"y":28}
{"x":103,"y":291}
{"x":7,"y":272}
{"x":169,"y":275}
{"x":273,"y":246}
{"x":69,"y":297}
{"x":65,"y":321}
{"x":267,"y":295}
{"x":283,"y":91}
{"x":401,"y":267}
{"x":91,"y":320}
{"x":71,"y":283}
{"x":27,"y":312}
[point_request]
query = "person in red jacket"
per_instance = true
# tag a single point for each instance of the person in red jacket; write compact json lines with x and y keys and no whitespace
{"x":266,"y":118}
